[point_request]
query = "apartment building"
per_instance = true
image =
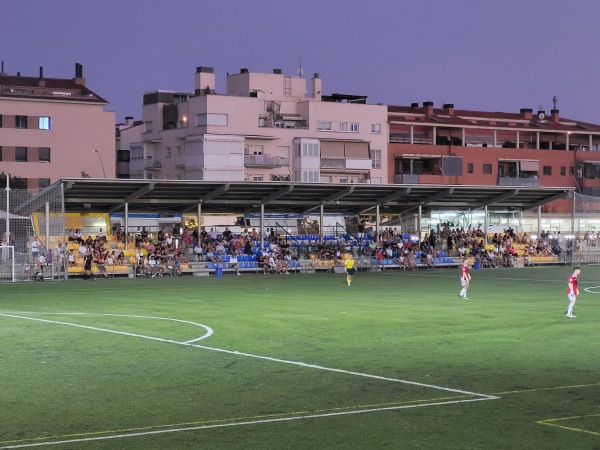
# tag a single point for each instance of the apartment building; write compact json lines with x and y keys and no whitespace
{"x":450,"y":146}
{"x":52,"y":128}
{"x":266,"y":126}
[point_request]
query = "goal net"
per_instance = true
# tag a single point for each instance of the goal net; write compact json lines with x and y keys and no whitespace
{"x":7,"y":263}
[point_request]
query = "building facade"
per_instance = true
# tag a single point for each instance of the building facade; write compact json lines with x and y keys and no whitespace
{"x":450,"y":146}
{"x":265,"y":127}
{"x":52,"y":128}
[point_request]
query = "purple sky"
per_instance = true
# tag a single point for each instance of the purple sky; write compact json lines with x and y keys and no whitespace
{"x":478,"y":54}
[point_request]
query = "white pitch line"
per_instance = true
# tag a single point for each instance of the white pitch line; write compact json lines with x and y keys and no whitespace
{"x":190,"y":343}
{"x":251,"y":355}
{"x":238,"y":424}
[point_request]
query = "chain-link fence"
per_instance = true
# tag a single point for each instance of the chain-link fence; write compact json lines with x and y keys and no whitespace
{"x":32,"y":221}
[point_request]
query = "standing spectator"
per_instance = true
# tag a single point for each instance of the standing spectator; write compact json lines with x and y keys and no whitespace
{"x":572,"y":292}
{"x":36,"y":246}
{"x":465,"y":279}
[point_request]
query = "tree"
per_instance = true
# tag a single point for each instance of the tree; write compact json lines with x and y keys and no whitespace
{"x":14,"y":182}
{"x":84,"y":174}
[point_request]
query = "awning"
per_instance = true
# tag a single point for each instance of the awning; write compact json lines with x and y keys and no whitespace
{"x":291,"y":117}
{"x":357,"y":150}
{"x":332,"y":149}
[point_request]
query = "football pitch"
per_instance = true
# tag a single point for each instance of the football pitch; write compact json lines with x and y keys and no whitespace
{"x":396,"y":361}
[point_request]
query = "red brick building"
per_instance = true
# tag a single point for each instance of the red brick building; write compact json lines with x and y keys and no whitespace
{"x":449,"y":146}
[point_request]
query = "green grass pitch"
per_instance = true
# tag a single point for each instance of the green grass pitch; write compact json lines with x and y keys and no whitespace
{"x":396,"y":361}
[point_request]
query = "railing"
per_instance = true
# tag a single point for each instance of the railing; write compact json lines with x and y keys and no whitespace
{"x":265,"y":161}
{"x":518,"y":181}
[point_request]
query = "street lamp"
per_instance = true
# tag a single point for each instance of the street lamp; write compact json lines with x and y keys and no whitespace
{"x":101,"y":163}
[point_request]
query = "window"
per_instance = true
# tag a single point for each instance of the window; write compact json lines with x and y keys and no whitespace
{"x":323,"y":125}
{"x":310,"y":176}
{"x":310,"y":149}
{"x":375,"y":159}
{"x":148,"y":127}
{"x":343,"y":180}
{"x":0,"y":153}
{"x":44,"y":154}
{"x":43,"y":183}
{"x":343,"y":126}
{"x":257,"y":177}
{"x":246,"y":149}
{"x":123,"y":155}
{"x":563,"y":170}
{"x":21,"y":154}
{"x":219,"y":120}
{"x":470,"y":167}
{"x":0,"y":120}
{"x":354,"y":127}
{"x":487,"y":168}
{"x":547,"y":170}
{"x":20,"y":121}
{"x":376,"y":128}
{"x":44,"y":123}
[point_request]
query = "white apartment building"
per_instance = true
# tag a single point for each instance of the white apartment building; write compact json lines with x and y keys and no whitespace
{"x":266,"y":127}
{"x":52,"y":128}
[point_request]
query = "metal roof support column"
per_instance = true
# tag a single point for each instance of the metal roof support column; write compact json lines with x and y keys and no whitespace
{"x":463,"y":137}
{"x":485,"y":225}
{"x":537,"y":140}
{"x":321,"y":223}
{"x":262,"y":224}
{"x":419,"y":224}
{"x":567,"y":136}
{"x":126,"y":219}
{"x":590,"y":140}
{"x":412,"y":135}
{"x":199,"y":228}
{"x":539,"y":221}
{"x":434,"y":135}
{"x":495,"y":138}
{"x":573,"y":213}
{"x":518,"y":138}
{"x":377,"y":219}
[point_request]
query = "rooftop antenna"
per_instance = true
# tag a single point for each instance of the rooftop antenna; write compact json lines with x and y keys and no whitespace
{"x":300,"y":71}
{"x":555,"y":101}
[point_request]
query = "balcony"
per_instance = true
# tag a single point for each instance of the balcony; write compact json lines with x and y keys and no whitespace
{"x":180,"y":161}
{"x":267,"y":161}
{"x":518,"y":181}
{"x":153,"y":165}
{"x":406,"y":178}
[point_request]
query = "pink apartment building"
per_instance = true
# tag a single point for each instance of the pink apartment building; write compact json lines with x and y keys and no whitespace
{"x":52,"y":128}
{"x":266,"y":126}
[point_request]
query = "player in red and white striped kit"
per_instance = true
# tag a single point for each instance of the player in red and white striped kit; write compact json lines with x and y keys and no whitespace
{"x":572,"y":291}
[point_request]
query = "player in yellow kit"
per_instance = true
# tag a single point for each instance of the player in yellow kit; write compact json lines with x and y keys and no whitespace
{"x":349,"y":264}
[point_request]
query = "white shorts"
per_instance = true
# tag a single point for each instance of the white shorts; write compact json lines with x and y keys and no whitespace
{"x":464,"y":282}
{"x":571,"y":297}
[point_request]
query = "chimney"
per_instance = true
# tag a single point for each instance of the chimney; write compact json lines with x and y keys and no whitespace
{"x":414,"y":105}
{"x":205,"y":80}
{"x":79,"y":74}
{"x":449,"y":108}
{"x":41,"y":81}
{"x":277,"y":71}
{"x":243,"y":70}
{"x":428,"y":108}
{"x":554,"y":115}
{"x":526,"y":113}
{"x":129,"y":120}
{"x":316,"y":87}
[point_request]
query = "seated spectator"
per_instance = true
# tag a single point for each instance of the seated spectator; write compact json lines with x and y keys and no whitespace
{"x":233,"y":263}
{"x":71,"y":258}
{"x":101,"y":236}
{"x":121,"y":258}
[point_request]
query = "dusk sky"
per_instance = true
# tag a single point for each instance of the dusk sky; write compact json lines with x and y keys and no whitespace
{"x":478,"y":54}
